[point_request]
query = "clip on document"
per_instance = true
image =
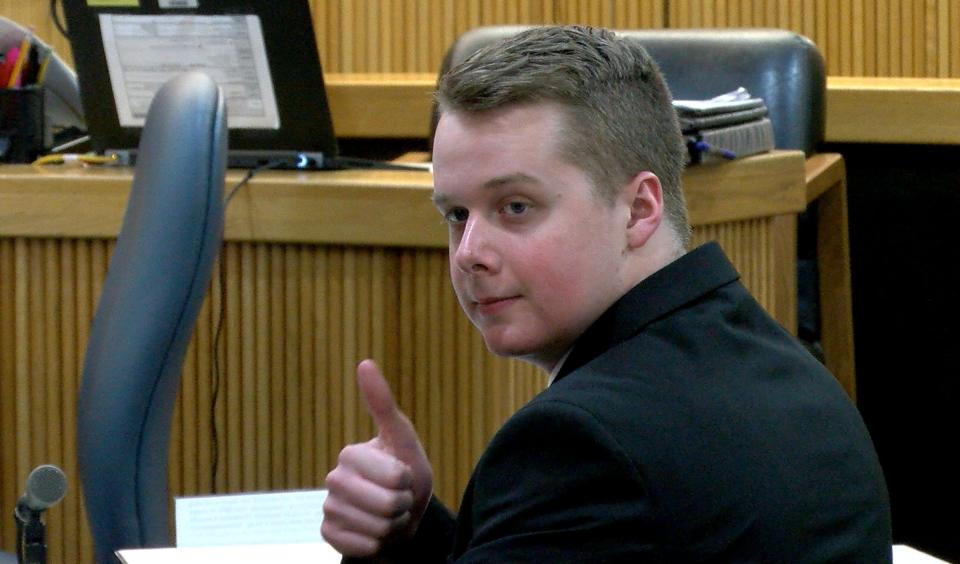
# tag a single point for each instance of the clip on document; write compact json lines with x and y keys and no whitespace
{"x":282,"y":526}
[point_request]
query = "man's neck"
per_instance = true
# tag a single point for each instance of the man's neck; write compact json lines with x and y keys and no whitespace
{"x":556,"y":367}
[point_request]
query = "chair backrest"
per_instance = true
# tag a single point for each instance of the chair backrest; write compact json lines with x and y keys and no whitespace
{"x":782,"y":67}
{"x":158,"y":275}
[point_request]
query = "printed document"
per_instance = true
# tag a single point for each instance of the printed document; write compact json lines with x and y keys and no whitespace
{"x":145,"y":51}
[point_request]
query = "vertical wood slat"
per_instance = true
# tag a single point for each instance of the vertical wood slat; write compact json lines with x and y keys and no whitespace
{"x":70,"y":353}
{"x":9,"y":474}
{"x":950,"y":49}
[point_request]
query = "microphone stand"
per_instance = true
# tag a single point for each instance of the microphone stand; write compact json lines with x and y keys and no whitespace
{"x":31,"y":535}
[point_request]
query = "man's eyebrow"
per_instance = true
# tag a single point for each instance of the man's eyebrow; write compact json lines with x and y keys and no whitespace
{"x":440,"y":199}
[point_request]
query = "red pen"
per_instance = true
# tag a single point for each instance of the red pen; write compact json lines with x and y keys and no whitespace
{"x":9,"y":61}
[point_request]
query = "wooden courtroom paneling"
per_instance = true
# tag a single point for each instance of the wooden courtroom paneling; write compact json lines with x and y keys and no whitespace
{"x":361,"y":40}
{"x":857,"y":37}
{"x":356,"y":207}
{"x":915,"y":38}
{"x":297,"y":317}
{"x":412,"y":35}
{"x":756,"y":248}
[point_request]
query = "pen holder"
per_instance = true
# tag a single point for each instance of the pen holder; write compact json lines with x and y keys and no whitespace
{"x":21,"y":124}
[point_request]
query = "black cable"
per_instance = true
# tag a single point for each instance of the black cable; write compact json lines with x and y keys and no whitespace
{"x":55,"y":16}
{"x":216,"y":376}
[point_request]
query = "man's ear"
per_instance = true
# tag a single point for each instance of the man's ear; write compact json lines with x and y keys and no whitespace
{"x":644,"y":195}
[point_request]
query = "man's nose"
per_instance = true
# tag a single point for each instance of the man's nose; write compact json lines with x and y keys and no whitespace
{"x":475,"y":252}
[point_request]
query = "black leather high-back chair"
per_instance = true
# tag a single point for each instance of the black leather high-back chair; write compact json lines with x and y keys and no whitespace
{"x":158,"y":274}
{"x":782,"y":67}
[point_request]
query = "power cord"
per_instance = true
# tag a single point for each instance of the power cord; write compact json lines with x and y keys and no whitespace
{"x":75,"y":159}
{"x":216,"y":376}
{"x":55,"y":16}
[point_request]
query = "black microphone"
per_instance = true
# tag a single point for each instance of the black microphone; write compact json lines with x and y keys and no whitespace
{"x":46,"y":486}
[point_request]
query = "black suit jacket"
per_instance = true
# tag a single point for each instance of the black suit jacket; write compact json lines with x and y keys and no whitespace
{"x":685,"y":426}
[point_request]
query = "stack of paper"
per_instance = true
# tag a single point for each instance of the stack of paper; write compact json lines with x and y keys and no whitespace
{"x":728,"y":126}
{"x":246,"y":528}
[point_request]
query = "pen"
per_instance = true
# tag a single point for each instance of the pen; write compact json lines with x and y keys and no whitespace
{"x":6,"y":68}
{"x":31,"y":66}
{"x":44,"y":63}
{"x":22,"y":56}
{"x":707,"y":149}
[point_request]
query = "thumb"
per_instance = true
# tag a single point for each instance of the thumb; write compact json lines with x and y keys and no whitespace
{"x":395,"y":430}
{"x":397,"y":435}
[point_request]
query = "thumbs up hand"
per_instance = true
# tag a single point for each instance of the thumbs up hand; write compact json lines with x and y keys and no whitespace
{"x":379,"y":489}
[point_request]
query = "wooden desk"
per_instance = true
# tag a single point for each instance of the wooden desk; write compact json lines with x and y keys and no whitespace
{"x":392,"y":105}
{"x":893,"y":110}
{"x":319,"y":271}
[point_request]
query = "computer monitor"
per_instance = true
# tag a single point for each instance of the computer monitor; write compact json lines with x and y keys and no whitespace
{"x":263,"y":54}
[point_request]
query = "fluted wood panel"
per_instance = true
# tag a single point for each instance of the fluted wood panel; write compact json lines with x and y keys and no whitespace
{"x":914,"y":38}
{"x":762,"y":251}
{"x":296,"y":319}
{"x":48,"y":288}
{"x":412,"y":35}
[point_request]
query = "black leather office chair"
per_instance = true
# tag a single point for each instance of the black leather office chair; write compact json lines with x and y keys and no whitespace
{"x":159,"y":272}
{"x":782,"y":67}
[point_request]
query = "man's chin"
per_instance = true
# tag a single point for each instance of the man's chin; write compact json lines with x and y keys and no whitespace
{"x":501,"y":345}
{"x":506,"y":348}
{"x":537,"y":352}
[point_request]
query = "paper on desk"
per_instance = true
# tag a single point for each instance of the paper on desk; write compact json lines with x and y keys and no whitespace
{"x":260,"y":518}
{"x":738,"y":100}
{"x":903,"y":554}
{"x":323,"y":553}
{"x":314,"y":553}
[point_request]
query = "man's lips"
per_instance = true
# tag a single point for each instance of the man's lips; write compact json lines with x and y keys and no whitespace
{"x":490,"y":306}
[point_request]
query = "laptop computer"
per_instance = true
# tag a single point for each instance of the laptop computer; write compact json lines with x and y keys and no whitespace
{"x":262,"y":54}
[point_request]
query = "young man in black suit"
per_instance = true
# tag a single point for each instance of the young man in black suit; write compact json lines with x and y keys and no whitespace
{"x":681,"y":424}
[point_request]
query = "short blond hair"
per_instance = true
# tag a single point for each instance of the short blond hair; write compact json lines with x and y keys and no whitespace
{"x":620,"y":116}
